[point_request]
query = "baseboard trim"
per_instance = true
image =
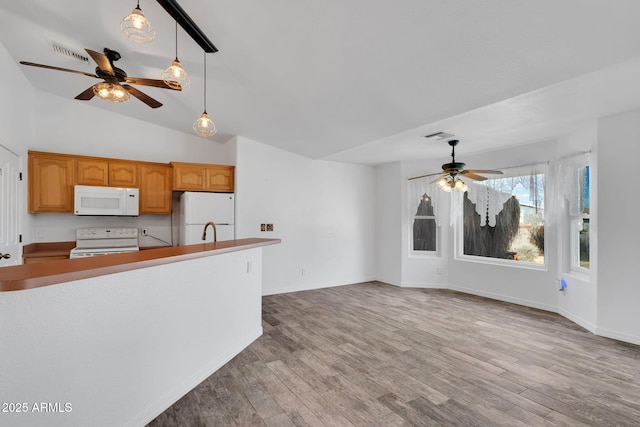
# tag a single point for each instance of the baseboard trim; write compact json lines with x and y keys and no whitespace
{"x":171,"y":397}
{"x":312,"y":286}
{"x":608,"y":333}
{"x":578,"y":320}
{"x":425,"y":285}
{"x":505,"y":298}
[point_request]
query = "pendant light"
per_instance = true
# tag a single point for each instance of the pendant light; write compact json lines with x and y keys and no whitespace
{"x":137,"y":27}
{"x":175,"y":76}
{"x":204,"y":126}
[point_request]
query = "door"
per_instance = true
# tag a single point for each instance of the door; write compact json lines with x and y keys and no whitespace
{"x":9,"y":208}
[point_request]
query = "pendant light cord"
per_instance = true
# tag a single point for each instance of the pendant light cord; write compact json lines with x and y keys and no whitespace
{"x":205,"y":80}
{"x":176,"y":39}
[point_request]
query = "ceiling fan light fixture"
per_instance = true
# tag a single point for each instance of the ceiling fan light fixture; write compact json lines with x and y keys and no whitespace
{"x":444,"y":183}
{"x":137,"y":27}
{"x":204,"y":126}
{"x":111,"y":92}
{"x":460,"y":185}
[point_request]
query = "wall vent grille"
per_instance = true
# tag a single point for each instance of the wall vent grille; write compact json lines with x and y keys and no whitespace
{"x":58,"y":49}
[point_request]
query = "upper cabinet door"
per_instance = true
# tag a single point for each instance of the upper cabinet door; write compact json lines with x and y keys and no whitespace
{"x":155,"y":188}
{"x":123,"y":174}
{"x":92,"y":172}
{"x":202,"y":177}
{"x":188,"y":177}
{"x":219,"y":178}
{"x":51,"y":180}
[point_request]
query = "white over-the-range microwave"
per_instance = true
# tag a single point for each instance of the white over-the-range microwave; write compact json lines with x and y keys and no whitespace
{"x":112,"y":201}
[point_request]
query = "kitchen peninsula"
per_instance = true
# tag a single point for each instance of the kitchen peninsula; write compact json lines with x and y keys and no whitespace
{"x":115,"y":340}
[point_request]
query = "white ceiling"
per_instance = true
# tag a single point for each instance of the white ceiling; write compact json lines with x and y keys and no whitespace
{"x":357,"y":80}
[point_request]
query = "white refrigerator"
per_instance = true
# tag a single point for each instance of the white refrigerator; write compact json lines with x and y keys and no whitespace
{"x":197,"y":209}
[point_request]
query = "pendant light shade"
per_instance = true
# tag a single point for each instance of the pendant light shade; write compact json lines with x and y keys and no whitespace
{"x":204,"y":126}
{"x":137,"y":27}
{"x":175,"y":75}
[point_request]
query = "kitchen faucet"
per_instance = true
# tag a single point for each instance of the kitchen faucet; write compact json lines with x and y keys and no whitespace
{"x":204,"y":232}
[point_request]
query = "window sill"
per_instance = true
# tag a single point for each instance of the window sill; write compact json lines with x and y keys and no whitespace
{"x":583,"y":276}
{"x":502,"y":262}
{"x":424,"y":255}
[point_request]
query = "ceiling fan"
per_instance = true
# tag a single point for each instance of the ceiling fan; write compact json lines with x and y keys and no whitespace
{"x":449,"y":177}
{"x":111,"y":88}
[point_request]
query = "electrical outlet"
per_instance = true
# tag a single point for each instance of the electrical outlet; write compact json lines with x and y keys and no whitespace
{"x":144,"y":232}
{"x":269,"y":227}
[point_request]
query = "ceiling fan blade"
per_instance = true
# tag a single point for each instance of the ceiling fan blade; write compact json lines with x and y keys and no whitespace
{"x":472,"y":175}
{"x":86,"y":95}
{"x":430,"y":174}
{"x":482,"y":171}
{"x":102,"y":61}
{"x":151,"y":82}
{"x":33,"y":64}
{"x":143,"y":97}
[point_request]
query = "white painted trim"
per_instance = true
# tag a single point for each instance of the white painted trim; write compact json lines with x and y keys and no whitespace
{"x":172,"y":396}
{"x":505,"y":298}
{"x":313,"y":286}
{"x":424,"y":285}
{"x":578,"y":320}
{"x":608,"y":333}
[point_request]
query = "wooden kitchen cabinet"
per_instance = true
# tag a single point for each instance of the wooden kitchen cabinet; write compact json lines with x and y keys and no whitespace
{"x":203,"y":177}
{"x":106,"y":172}
{"x":123,"y":174}
{"x":155,"y":188}
{"x":51,"y":180}
{"x":92,"y":171}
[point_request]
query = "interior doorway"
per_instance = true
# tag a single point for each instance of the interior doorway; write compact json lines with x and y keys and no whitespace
{"x":10,"y":247}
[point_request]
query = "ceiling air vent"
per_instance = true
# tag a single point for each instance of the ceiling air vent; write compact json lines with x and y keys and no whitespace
{"x":58,"y":49}
{"x":439,"y":135}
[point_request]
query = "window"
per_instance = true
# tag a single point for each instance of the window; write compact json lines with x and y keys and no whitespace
{"x":503,"y":217}
{"x":424,"y":200}
{"x":580,"y":224}
{"x":424,"y":226}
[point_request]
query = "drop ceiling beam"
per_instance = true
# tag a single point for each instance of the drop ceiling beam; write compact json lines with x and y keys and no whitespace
{"x":184,"y":20}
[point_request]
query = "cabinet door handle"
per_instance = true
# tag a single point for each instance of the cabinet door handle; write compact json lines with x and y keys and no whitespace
{"x":5,"y":256}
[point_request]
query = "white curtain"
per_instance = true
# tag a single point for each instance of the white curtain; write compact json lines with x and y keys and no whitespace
{"x":489,"y":202}
{"x":570,"y":181}
{"x":421,"y":186}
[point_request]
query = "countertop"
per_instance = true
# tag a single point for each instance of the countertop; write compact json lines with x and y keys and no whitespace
{"x":37,"y":250}
{"x":29,"y":276}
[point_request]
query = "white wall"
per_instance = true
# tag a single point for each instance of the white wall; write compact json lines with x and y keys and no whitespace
{"x":423,"y":271}
{"x":73,"y":127}
{"x":389,"y":202}
{"x":16,"y":105}
{"x":16,"y":117}
{"x":579,"y":301}
{"x":618,"y":283}
{"x":324,"y":212}
{"x":122,"y":348}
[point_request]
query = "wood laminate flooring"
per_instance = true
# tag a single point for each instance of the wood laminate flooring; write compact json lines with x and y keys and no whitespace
{"x":377,"y":355}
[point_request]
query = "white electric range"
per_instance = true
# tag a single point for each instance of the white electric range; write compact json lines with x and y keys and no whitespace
{"x":104,"y":241}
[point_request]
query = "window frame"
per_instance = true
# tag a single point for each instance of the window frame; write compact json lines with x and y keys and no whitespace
{"x":576,"y":224}
{"x":459,"y":255}
{"x":417,"y":253}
